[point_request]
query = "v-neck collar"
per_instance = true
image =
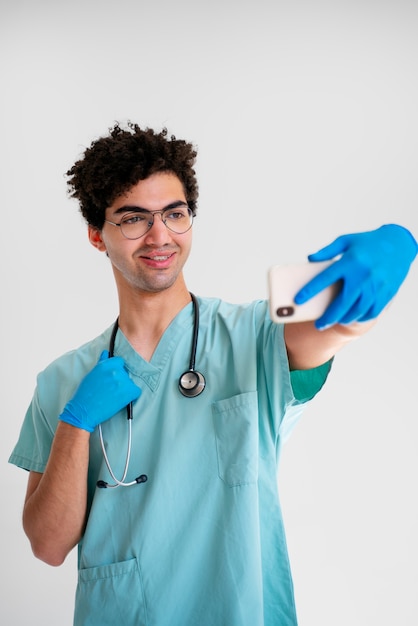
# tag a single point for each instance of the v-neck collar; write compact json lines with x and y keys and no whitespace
{"x":149,"y":371}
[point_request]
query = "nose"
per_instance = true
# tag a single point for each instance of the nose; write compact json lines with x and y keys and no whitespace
{"x":158,"y":233}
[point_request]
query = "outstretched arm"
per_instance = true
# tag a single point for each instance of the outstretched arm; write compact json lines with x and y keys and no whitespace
{"x":370,"y":268}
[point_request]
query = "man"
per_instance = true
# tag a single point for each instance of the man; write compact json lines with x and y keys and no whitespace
{"x":189,"y":531}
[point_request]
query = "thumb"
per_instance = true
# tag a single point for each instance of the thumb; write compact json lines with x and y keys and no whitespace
{"x":104,"y":355}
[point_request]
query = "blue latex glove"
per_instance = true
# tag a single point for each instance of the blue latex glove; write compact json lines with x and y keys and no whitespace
{"x":371,"y":269}
{"x":104,"y":391}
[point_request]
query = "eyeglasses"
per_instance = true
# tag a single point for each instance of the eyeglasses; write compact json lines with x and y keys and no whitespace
{"x":137,"y":223}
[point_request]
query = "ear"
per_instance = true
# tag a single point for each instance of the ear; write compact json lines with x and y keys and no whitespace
{"x":95,"y":238}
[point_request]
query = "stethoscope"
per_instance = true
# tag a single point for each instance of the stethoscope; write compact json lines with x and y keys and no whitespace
{"x":191,"y":384}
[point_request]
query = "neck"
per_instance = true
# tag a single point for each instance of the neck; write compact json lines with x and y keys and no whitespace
{"x":144,"y":316}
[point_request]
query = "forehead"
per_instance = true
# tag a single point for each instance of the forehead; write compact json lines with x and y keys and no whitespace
{"x":152,"y":193}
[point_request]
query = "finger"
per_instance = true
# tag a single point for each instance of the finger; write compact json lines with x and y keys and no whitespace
{"x":338,"y":246}
{"x":136,"y":391}
{"x":357,"y":312}
{"x":374,"y":311}
{"x":104,"y":355}
{"x":340,"y":308}
{"x":324,"y":279}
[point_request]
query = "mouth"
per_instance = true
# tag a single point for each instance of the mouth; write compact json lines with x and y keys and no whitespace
{"x":159,"y":257}
{"x":158,"y":260}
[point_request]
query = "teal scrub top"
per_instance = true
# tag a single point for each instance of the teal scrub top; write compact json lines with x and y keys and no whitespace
{"x":202,"y":541}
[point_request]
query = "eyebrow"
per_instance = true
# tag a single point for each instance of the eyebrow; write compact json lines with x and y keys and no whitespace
{"x":134,"y":208}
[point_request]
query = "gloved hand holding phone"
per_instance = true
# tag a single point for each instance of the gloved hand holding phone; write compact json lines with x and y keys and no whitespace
{"x":370,"y":270}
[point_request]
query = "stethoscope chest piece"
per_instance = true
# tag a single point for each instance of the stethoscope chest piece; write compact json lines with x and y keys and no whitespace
{"x":191,"y":383}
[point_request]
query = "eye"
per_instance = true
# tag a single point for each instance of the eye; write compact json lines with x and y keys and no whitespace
{"x":174,"y":215}
{"x":134,"y":218}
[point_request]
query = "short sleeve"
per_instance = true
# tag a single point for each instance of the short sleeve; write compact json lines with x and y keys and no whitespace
{"x":33,"y":447}
{"x":307,"y":383}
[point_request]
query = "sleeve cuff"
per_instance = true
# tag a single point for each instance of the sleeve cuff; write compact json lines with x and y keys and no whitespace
{"x":307,"y":383}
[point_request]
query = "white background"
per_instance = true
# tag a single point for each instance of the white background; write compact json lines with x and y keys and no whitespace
{"x":305,"y":117}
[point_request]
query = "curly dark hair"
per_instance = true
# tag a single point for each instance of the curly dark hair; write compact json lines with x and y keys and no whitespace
{"x":115,"y":163}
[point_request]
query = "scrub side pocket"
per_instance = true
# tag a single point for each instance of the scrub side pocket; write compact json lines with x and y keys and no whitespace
{"x":109,"y":595}
{"x":235,"y":423}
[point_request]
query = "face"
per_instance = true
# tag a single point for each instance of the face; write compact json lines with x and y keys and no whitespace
{"x":155,"y":261}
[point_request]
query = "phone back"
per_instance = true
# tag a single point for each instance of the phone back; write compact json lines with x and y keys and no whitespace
{"x":284,"y":281}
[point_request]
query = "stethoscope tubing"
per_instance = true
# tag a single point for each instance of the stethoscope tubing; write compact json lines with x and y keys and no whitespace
{"x":191,"y":384}
{"x":129,"y":411}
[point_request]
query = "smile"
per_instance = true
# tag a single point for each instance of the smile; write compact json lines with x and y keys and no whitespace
{"x":162,"y":261}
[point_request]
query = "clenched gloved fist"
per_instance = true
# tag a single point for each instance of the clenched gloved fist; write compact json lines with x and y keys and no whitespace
{"x":371,"y":268}
{"x":104,"y":391}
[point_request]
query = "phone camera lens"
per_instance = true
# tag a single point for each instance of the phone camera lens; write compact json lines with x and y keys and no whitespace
{"x":285,"y":311}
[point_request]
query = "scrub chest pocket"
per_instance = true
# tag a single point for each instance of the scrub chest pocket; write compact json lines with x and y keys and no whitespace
{"x":235,"y":422}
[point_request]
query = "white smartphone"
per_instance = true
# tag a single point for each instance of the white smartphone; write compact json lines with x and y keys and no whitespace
{"x":284,"y":281}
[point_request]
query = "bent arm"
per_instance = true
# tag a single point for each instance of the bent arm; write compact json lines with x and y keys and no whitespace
{"x":54,"y":513}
